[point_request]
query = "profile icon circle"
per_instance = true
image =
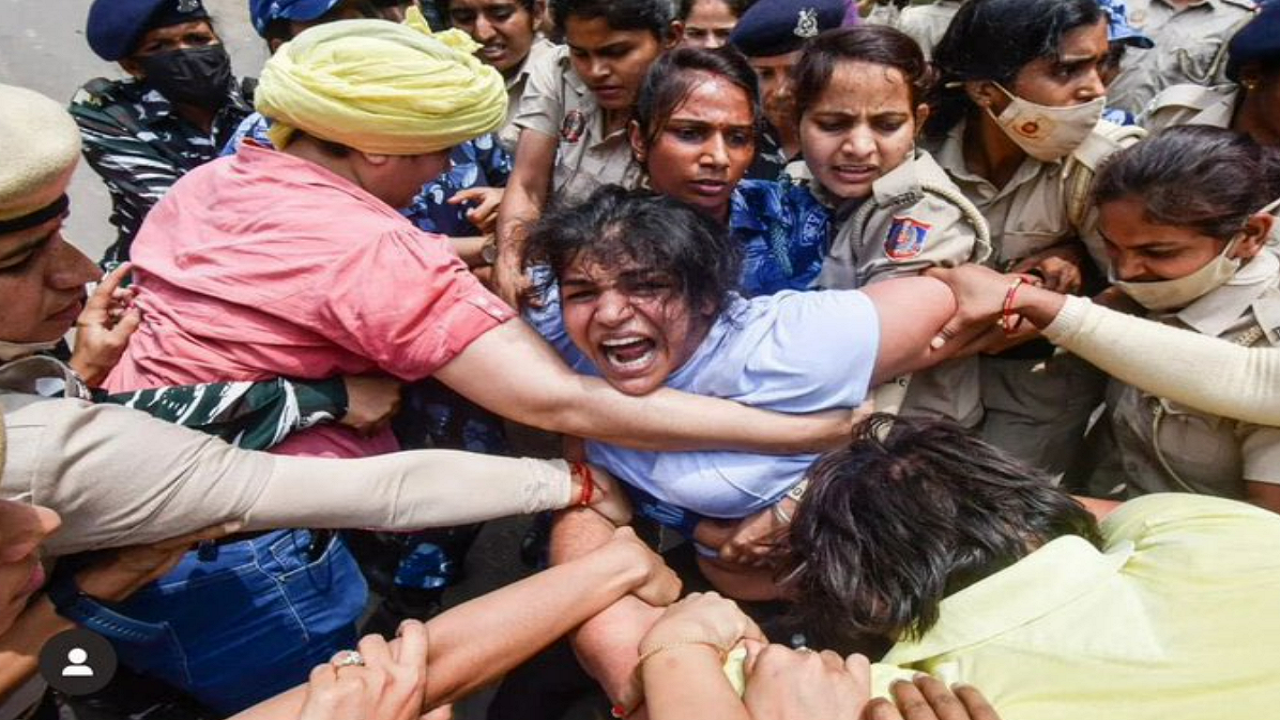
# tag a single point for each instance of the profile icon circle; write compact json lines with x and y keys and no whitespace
{"x":77,"y":662}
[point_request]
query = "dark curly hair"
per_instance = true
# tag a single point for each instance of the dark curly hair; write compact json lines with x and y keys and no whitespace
{"x":616,"y":226}
{"x":909,"y":513}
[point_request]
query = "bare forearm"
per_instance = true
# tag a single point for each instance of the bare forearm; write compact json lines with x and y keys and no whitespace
{"x":20,"y":645}
{"x":1038,"y":305}
{"x":465,"y":651}
{"x":511,"y":371}
{"x":534,"y":612}
{"x":689,"y":682}
{"x":608,"y":644}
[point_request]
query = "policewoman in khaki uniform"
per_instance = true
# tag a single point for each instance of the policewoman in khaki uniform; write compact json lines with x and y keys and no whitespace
{"x":1191,"y":39}
{"x":859,"y":95}
{"x":1019,"y":132}
{"x":1186,"y":214}
{"x":1247,"y":104}
{"x":573,"y":116}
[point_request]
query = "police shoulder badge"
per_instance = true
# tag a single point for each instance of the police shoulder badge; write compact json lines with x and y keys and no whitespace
{"x":906,"y":239}
{"x":806,"y":23}
{"x":575,"y":123}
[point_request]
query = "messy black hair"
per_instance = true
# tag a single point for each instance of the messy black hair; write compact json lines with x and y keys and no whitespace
{"x":658,"y":234}
{"x":909,"y":513}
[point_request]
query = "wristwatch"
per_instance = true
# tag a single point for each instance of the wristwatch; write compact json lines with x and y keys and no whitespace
{"x":797,"y":491}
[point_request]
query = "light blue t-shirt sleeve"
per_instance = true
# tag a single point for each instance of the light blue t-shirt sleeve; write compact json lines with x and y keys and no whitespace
{"x":819,"y":352}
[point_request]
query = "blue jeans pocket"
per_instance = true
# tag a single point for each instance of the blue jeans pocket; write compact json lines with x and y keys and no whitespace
{"x":251,"y":622}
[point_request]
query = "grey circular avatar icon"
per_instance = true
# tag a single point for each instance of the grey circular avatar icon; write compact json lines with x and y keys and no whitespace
{"x":77,"y":662}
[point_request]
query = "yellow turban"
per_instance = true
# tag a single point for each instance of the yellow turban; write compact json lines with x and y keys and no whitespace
{"x":39,"y":147}
{"x":381,"y":87}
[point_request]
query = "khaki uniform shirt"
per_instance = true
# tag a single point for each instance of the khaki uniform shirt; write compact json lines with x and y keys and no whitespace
{"x":1027,"y":215}
{"x":1191,"y":105}
{"x":926,"y":24}
{"x":1164,"y":446}
{"x":916,"y":218}
{"x":509,"y":135}
{"x":558,"y":104}
{"x":1191,"y":47}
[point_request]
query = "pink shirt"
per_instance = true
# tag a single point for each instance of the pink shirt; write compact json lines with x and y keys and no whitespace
{"x":263,"y":264}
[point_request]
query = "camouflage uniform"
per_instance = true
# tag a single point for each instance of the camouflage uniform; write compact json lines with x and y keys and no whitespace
{"x":140,"y":147}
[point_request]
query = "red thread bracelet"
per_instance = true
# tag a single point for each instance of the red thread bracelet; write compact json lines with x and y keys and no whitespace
{"x":583,"y":471}
{"x":1006,"y":316}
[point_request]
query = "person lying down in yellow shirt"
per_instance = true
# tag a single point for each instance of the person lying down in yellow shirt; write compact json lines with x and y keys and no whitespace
{"x":980,"y":572}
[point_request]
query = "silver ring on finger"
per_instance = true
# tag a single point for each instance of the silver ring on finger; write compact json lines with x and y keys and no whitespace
{"x":349,"y":658}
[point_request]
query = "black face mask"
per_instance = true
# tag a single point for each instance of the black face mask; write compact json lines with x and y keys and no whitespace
{"x":198,"y":76}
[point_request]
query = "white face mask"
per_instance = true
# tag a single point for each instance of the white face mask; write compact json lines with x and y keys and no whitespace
{"x":1181,"y":292}
{"x":1047,"y":133}
{"x":13,"y":351}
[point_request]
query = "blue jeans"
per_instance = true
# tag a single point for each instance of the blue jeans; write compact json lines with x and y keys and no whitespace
{"x":245,"y":625}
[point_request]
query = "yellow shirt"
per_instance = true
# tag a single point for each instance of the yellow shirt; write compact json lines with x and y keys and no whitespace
{"x":1177,"y":619}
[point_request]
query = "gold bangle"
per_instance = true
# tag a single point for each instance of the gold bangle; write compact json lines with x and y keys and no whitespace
{"x":672,"y":646}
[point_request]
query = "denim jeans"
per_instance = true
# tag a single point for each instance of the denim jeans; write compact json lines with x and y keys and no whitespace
{"x":247,"y":624}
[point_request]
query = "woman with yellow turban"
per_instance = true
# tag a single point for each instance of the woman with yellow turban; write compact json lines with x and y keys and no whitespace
{"x":294,"y":261}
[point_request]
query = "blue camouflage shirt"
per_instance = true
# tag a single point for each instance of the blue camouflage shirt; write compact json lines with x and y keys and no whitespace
{"x":784,"y":233}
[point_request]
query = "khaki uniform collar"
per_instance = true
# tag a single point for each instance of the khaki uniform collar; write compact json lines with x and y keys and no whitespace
{"x":541,"y":46}
{"x":587,"y":105}
{"x":908,"y":179}
{"x":950,"y":155}
{"x":1057,"y":574}
{"x":1216,"y":312}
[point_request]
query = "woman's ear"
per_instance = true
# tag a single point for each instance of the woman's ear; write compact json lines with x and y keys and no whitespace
{"x":675,"y":33}
{"x":1257,"y":230}
{"x":984,"y":94}
{"x":636,"y":138}
{"x":922,"y":115}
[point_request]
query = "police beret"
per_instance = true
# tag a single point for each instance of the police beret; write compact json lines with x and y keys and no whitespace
{"x":40,"y":144}
{"x":115,"y":26}
{"x":1259,"y":40}
{"x":1119,"y":29}
{"x":262,"y":12}
{"x":777,"y":27}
